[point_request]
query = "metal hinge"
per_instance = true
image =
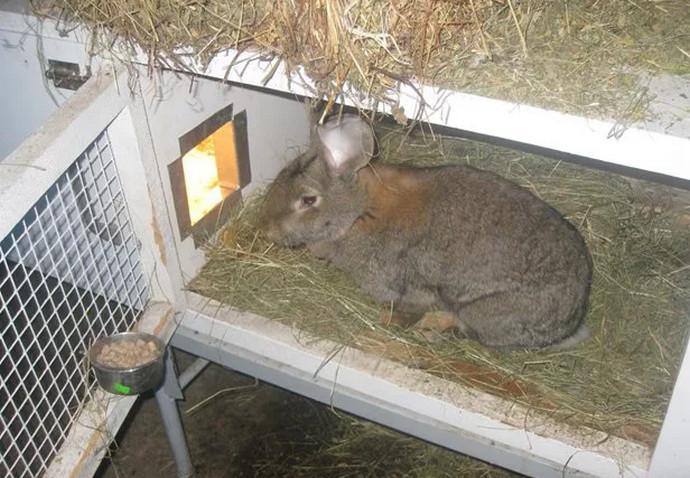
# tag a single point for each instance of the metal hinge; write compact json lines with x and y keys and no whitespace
{"x":67,"y":75}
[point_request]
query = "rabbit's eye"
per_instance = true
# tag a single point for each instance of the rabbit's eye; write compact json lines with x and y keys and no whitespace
{"x":308,"y":201}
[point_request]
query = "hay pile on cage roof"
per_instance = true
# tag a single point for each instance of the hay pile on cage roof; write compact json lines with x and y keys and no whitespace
{"x":584,"y":56}
{"x":619,"y":382}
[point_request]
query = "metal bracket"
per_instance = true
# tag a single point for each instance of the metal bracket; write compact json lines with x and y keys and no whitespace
{"x":171,"y":385}
{"x":66,"y":75}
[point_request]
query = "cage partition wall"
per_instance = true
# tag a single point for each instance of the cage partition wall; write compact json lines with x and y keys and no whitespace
{"x":105,"y":207}
{"x":92,"y":233}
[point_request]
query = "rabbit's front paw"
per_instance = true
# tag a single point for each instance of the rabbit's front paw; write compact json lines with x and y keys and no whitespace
{"x":388,"y":317}
{"x":433,"y":325}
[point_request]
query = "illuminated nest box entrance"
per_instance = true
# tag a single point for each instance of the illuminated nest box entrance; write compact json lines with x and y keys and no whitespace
{"x":208,"y":176}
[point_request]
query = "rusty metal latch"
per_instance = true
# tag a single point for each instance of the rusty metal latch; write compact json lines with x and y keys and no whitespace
{"x":66,"y":75}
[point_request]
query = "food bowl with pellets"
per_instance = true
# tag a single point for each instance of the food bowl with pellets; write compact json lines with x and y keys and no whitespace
{"x":128,"y":363}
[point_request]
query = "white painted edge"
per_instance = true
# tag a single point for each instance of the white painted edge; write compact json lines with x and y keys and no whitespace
{"x":671,"y":458}
{"x":90,"y":436}
{"x":392,"y":385}
{"x":33,"y":167}
{"x":635,"y":148}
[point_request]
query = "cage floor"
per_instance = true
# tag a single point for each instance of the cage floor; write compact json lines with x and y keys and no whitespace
{"x":619,"y":381}
{"x":236,"y":427}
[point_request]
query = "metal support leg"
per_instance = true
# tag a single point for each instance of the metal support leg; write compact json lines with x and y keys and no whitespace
{"x":192,"y":372}
{"x":167,"y":396}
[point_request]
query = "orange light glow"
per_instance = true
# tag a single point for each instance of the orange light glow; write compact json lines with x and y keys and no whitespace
{"x":210,"y":172}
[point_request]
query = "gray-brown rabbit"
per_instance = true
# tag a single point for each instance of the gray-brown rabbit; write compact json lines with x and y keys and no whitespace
{"x":505,"y":265}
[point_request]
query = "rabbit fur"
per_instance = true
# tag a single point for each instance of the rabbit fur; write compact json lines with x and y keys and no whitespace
{"x":507,"y":266}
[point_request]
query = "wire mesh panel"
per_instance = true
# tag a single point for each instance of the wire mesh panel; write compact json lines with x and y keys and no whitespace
{"x":69,"y":272}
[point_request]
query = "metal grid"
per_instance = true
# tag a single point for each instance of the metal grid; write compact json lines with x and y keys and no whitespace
{"x":69,"y":272}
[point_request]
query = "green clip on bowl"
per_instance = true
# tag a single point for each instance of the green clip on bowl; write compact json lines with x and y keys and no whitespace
{"x":128,"y":381}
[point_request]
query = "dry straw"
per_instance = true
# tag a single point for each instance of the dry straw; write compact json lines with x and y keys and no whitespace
{"x":619,"y":382}
{"x":582,"y":56}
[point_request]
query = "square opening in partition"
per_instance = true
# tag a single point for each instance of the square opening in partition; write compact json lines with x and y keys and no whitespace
{"x":208,"y":177}
{"x":210,"y":171}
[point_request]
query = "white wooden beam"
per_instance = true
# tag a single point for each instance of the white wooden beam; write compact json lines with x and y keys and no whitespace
{"x":671,"y":457}
{"x":635,"y":147}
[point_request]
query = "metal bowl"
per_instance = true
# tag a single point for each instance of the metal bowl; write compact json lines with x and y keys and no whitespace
{"x":128,"y":381}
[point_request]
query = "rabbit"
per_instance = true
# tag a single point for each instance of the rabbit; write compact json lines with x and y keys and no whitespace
{"x":505,"y":268}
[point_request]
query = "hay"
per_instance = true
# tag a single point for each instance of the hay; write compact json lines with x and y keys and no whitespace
{"x":581,"y":56}
{"x":618,"y":382}
{"x":344,"y":446}
{"x":315,"y":441}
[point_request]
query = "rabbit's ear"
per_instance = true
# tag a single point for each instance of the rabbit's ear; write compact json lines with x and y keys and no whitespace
{"x":347,"y":145}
